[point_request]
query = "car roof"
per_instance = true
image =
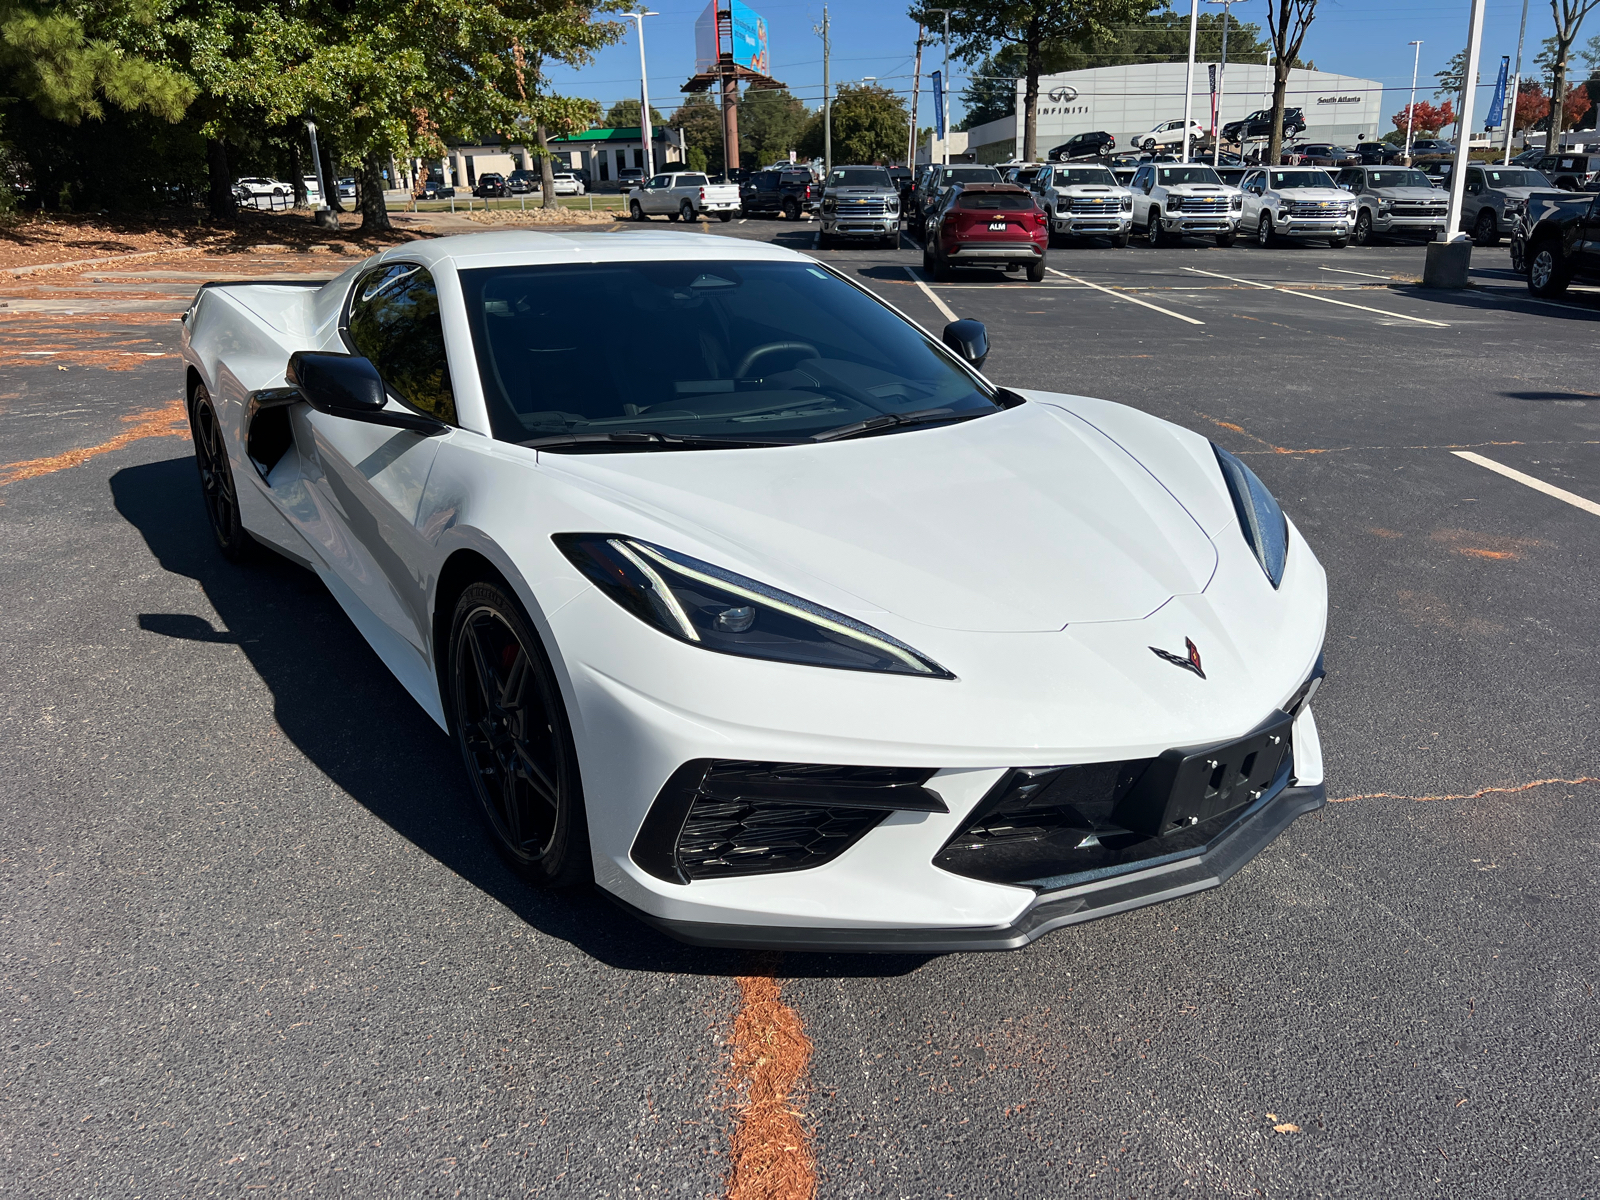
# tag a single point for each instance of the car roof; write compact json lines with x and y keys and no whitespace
{"x":515,"y":247}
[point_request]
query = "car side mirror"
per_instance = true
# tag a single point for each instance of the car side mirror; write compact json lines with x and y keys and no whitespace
{"x":349,"y":386}
{"x":969,"y":339}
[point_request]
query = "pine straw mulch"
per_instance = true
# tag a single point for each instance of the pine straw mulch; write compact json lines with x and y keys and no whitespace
{"x":542,"y":216}
{"x":41,"y":238}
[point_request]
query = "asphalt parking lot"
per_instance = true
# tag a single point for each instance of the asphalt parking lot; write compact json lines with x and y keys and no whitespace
{"x":253,"y":940}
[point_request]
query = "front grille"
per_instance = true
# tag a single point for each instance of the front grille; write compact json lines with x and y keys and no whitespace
{"x":1038,"y":825}
{"x":1416,"y":208}
{"x":1095,"y":206}
{"x":1324,"y":209}
{"x":1200,"y":204}
{"x":717,"y":818}
{"x":861,"y":208}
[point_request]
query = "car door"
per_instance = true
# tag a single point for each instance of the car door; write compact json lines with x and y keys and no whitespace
{"x":1474,"y":197}
{"x":365,"y":481}
{"x":1141,"y":196}
{"x":1254,"y":184}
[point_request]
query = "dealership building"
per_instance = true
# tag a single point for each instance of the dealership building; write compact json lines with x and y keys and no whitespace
{"x":1129,"y":101}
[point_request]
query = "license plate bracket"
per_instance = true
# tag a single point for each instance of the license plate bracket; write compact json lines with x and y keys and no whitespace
{"x":1186,"y":787}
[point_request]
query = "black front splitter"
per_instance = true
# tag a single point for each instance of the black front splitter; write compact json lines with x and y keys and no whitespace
{"x":1073,"y":905}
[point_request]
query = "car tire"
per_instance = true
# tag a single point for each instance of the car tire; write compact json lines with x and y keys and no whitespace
{"x":1487,"y":231}
{"x":942,"y":270}
{"x":1226,"y":239}
{"x":1264,"y":235}
{"x":1036,"y":271}
{"x":686,"y":212}
{"x":1362,"y":234}
{"x":1152,"y":230}
{"x":1519,"y":255}
{"x":725,"y":216}
{"x":791,"y":211}
{"x":1148,"y":144}
{"x":674,"y":216}
{"x":1119,"y":240}
{"x":1546,"y":276}
{"x":637,"y":210}
{"x":510,"y":723}
{"x":1339,"y":243}
{"x":217,"y":490}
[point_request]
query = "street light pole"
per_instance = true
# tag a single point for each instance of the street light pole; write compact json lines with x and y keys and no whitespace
{"x":644,"y":95}
{"x":1222,"y":83}
{"x":1516,"y":84}
{"x":1188,"y":77}
{"x":1469,"y":80}
{"x":945,"y":81}
{"x":1411,"y":109}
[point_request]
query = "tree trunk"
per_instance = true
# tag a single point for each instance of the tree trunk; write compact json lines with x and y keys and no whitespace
{"x":329,"y":183}
{"x":369,"y":195}
{"x":1558,"y":97}
{"x":220,"y":195}
{"x":1030,"y":95}
{"x":297,"y":172}
{"x":547,"y":171}
{"x":1280,"y":90}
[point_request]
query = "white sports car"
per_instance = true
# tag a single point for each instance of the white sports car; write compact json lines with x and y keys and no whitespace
{"x":761,"y":607}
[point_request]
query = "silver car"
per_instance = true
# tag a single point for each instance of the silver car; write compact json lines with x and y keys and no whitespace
{"x":1495,"y":197}
{"x":1393,"y":201}
{"x":860,"y":204}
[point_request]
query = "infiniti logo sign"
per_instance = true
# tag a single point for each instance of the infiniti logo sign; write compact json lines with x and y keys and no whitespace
{"x":1061,"y":95}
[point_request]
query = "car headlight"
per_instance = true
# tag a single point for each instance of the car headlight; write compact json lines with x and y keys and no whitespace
{"x":1127,"y":202}
{"x":1261,"y":520}
{"x":1238,"y":203}
{"x":1385,"y":205}
{"x":1516,"y":206}
{"x":718,"y":610}
{"x":893,"y":206}
{"x":1350,"y":208}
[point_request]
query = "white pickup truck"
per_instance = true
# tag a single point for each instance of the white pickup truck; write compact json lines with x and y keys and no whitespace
{"x":683,"y":196}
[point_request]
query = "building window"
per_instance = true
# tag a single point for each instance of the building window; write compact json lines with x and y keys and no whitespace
{"x":604,"y":172}
{"x":638,"y":159}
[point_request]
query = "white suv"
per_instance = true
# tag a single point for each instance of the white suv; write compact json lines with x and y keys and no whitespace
{"x":1170,"y":133}
{"x":1085,"y":200}
{"x":1296,"y":202}
{"x":1184,"y":200}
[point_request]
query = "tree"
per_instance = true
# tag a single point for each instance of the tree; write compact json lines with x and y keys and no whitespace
{"x":1450,"y":77}
{"x":1031,"y":26}
{"x":624,"y":114}
{"x":701,"y":122}
{"x":869,"y":125}
{"x":1287,"y":23}
{"x":1425,"y":119}
{"x":1533,"y":106}
{"x":771,"y":123}
{"x":1569,"y":15}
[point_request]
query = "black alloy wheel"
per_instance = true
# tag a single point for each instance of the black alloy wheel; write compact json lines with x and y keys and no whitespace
{"x":511,"y":725}
{"x":791,"y":211}
{"x":1363,"y":229}
{"x":217,"y":489}
{"x":1487,"y":230}
{"x":1545,"y":275}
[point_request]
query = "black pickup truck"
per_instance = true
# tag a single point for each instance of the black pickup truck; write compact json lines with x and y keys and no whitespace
{"x":1564,"y":247}
{"x":786,"y":193}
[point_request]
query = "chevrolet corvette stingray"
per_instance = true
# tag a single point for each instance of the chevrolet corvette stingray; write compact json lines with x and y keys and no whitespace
{"x":758,"y":606}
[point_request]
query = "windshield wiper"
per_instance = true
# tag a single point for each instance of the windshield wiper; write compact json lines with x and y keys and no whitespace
{"x":894,"y":420}
{"x":639,"y":439}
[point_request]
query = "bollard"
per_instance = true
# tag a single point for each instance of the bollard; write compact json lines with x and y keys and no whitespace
{"x":1448,"y":263}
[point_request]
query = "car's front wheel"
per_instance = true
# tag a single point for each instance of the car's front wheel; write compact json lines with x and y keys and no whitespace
{"x":1226,"y":239}
{"x":1546,"y":276}
{"x":217,"y":490}
{"x":1338,"y":243}
{"x":1487,"y":230}
{"x":1264,"y":231}
{"x":1363,"y":229}
{"x":511,"y":725}
{"x":1152,"y":228}
{"x":1119,"y":240}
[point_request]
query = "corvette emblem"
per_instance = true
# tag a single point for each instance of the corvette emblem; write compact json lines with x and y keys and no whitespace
{"x":1192,"y":663}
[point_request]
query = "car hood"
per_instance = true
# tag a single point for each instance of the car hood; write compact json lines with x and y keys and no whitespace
{"x":1091,"y":189}
{"x":1025,"y":521}
{"x":1198,"y":189}
{"x":1405,"y":193}
{"x":1315,"y":194}
{"x":860,"y":193}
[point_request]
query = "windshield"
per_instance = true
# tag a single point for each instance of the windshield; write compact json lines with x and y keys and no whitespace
{"x":1167,"y":176}
{"x":1071,"y":176}
{"x":742,"y":351}
{"x":860,"y":177}
{"x":970,"y":175}
{"x":1527,"y":179}
{"x":1299,"y":179}
{"x":1387,"y":179}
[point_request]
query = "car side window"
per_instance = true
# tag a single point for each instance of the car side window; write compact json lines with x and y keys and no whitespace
{"x":394,"y":321}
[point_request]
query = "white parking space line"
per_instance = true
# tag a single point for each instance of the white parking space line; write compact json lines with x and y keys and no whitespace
{"x":1382,"y":312}
{"x":1366,"y":274}
{"x":1538,"y":485}
{"x":1124,"y":296}
{"x":928,"y":292}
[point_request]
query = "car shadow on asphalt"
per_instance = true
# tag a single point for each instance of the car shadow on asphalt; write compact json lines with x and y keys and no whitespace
{"x":339,"y":705}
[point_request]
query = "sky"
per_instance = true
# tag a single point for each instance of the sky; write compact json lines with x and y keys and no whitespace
{"x":1367,"y":38}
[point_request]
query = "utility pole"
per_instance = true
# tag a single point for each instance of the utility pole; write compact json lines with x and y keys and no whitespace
{"x":1516,"y":84}
{"x":827,"y":100}
{"x":1222,"y":83}
{"x":644,"y":95}
{"x":944,"y":81}
{"x":1411,"y":109}
{"x":1188,"y":77}
{"x":916,"y":87}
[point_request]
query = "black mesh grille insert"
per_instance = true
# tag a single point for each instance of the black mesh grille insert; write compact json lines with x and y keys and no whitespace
{"x":720,"y":817}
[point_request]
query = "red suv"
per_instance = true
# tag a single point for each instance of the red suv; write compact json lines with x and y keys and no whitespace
{"x":986,"y":225}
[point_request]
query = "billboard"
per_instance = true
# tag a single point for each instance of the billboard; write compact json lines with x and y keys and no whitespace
{"x":747,"y":44}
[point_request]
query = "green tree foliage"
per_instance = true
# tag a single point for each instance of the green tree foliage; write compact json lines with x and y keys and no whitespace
{"x":771,"y":123}
{"x":870,"y":124}
{"x":624,"y":114}
{"x":701,"y":121}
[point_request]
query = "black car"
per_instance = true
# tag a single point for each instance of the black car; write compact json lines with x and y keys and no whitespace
{"x":1084,"y":145}
{"x":491,"y":183}
{"x":520,"y":182}
{"x":629,"y":178}
{"x":1259,"y":125}
{"x":1430,"y":146}
{"x":1564,"y":247}
{"x":778,"y":193}
{"x":1378,"y":154}
{"x":937,"y":180}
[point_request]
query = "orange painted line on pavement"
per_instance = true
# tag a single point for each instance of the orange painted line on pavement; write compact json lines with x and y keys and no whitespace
{"x":771,"y":1157}
{"x":170,"y":420}
{"x":1490,"y":791}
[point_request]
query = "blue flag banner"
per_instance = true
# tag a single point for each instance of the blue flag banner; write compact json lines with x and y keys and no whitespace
{"x":938,"y":105}
{"x":1497,"y":108}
